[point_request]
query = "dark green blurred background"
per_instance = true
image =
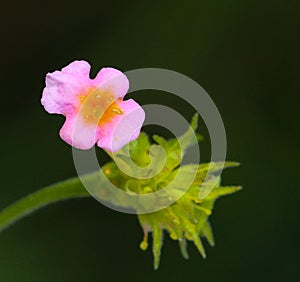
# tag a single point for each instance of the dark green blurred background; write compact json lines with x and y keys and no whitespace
{"x":244,"y":53}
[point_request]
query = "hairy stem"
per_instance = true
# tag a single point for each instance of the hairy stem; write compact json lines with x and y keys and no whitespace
{"x":69,"y":189}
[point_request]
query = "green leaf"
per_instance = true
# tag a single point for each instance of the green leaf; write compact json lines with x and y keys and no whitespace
{"x":207,"y":170}
{"x":216,"y":166}
{"x":190,"y":138}
{"x":183,"y":248}
{"x":139,"y":150}
{"x":160,"y":140}
{"x":208,"y":234}
{"x":222,"y":191}
{"x":176,"y":148}
{"x":191,"y":228}
{"x":157,"y":244}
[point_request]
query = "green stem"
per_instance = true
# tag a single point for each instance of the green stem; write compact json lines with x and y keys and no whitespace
{"x":71,"y":188}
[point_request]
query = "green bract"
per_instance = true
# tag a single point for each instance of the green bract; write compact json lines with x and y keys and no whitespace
{"x":188,"y":217}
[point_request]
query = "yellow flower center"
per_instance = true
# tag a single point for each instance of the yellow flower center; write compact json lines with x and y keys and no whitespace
{"x":98,"y":107}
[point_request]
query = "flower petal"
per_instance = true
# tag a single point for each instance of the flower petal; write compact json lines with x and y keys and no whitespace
{"x":122,"y":128}
{"x":112,"y":80}
{"x":78,"y":133}
{"x":79,"y":68}
{"x":62,"y":87}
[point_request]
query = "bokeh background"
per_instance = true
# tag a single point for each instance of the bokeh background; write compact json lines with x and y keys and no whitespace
{"x":244,"y":53}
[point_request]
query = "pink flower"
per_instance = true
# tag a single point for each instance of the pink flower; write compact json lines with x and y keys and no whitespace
{"x":94,"y":108}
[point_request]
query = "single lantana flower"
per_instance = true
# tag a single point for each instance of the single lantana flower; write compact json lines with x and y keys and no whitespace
{"x":94,"y":108}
